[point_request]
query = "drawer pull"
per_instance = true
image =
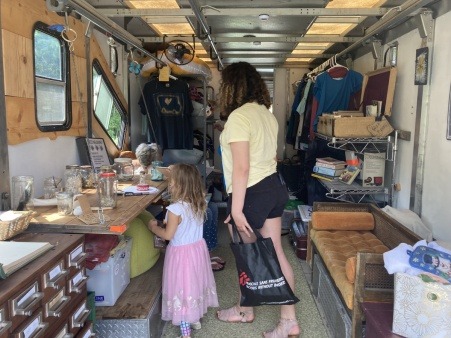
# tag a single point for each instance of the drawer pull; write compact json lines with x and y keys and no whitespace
{"x":41,"y":329}
{"x":89,"y":334}
{"x":34,"y":329}
{"x":64,"y":333}
{"x":81,"y":318}
{"x":79,"y":287}
{"x":62,"y":302}
{"x":53,"y":283}
{"x":4,"y":326}
{"x":76,"y":257}
{"x":77,"y":261}
{"x":23,"y":305}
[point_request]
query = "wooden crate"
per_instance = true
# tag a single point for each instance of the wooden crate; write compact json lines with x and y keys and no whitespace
{"x":331,"y":125}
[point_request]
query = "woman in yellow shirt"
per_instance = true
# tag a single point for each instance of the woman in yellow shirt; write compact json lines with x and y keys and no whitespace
{"x":257,"y":196}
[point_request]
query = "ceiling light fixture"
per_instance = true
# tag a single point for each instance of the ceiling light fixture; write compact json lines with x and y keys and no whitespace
{"x":263,"y":17}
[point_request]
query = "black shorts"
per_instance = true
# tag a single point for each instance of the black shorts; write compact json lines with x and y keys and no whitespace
{"x":264,"y":200}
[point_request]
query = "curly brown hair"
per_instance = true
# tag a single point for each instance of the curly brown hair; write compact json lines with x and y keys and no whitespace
{"x":186,"y":185}
{"x":241,"y":83}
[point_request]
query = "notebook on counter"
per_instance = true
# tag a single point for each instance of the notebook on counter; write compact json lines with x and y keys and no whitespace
{"x":15,"y":255}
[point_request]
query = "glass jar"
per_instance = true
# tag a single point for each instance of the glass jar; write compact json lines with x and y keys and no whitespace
{"x":155,"y":174}
{"x":52,"y":185}
{"x":87,"y":176}
{"x":64,"y":203}
{"x":22,"y":192}
{"x":142,"y":184}
{"x":124,"y":168}
{"x":72,"y":179}
{"x":107,"y":189}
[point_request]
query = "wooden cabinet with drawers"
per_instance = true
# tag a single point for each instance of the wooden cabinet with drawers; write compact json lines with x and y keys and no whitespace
{"x":47,"y":297}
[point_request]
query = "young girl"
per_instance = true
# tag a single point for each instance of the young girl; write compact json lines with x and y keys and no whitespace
{"x":188,"y":284}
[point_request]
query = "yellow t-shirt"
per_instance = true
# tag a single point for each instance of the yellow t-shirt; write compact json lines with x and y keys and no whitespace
{"x":255,"y":124}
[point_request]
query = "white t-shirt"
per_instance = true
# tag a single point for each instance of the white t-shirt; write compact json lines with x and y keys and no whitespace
{"x":190,"y":229}
{"x":255,"y":124}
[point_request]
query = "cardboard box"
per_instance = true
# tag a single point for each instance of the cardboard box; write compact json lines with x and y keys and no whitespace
{"x":421,"y":309}
{"x":109,"y":279}
{"x":373,"y":169}
{"x":332,"y":125}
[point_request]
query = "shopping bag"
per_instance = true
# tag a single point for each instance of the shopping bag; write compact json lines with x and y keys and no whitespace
{"x":260,"y":276}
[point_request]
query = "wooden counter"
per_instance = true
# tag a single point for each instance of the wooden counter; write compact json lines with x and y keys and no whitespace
{"x":47,"y":219}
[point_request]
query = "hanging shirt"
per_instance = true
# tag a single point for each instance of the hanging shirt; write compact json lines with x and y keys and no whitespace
{"x":170,"y":108}
{"x":334,"y":93}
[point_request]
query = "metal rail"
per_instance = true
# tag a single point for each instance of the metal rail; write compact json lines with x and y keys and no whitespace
{"x":104,"y":23}
{"x":389,"y":19}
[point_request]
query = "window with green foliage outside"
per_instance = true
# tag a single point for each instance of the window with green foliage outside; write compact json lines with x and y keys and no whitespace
{"x":107,"y":108}
{"x":52,"y":79}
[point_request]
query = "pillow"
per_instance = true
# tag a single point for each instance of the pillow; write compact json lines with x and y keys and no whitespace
{"x":351,"y":262}
{"x":340,"y":220}
{"x":143,"y":254}
{"x":410,"y":220}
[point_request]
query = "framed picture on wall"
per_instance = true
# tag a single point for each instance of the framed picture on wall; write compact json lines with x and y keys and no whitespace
{"x":448,"y":126}
{"x":421,"y":66}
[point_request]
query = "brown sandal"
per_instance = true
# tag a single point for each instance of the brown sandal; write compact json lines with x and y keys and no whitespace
{"x":234,"y":315}
{"x":283,"y":329}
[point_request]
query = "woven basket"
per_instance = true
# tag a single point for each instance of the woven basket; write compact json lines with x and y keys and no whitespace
{"x":12,"y":228}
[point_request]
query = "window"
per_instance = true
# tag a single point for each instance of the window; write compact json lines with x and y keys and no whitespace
{"x":107,"y":108}
{"x":52,"y":79}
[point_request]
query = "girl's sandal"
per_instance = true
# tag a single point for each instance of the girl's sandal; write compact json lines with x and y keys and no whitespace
{"x":234,"y":315}
{"x":284,"y":329}
{"x":218,"y":260}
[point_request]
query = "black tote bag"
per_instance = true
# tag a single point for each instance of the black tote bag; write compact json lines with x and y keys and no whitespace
{"x":260,"y":276}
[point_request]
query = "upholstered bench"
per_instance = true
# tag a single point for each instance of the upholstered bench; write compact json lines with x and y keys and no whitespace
{"x":348,"y":240}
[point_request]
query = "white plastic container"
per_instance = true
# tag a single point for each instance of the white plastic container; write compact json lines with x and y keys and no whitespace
{"x":109,"y":279}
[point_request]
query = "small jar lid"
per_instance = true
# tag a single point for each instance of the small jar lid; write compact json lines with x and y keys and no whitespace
{"x":122,"y":160}
{"x":107,"y":174}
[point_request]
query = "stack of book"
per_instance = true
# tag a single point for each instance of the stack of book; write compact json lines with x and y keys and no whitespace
{"x":328,"y":168}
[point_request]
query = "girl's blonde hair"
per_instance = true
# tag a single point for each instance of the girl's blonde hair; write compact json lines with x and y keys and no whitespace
{"x":186,"y":185}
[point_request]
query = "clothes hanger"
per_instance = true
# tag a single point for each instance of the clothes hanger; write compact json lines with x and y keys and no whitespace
{"x":334,"y":64}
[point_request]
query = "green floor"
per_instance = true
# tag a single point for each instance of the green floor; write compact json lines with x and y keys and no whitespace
{"x":266,"y":317}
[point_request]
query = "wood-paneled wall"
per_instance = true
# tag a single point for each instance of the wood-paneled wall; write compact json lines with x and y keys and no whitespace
{"x":17,"y":20}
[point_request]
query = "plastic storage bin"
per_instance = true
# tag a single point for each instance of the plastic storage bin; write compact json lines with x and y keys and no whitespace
{"x":109,"y":279}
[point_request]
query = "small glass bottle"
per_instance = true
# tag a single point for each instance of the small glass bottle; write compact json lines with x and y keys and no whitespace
{"x":107,"y":189}
{"x":87,"y":176}
{"x":72,"y":179}
{"x":142,"y":185}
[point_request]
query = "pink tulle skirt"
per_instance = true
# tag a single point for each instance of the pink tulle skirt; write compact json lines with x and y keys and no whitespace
{"x":189,"y":286}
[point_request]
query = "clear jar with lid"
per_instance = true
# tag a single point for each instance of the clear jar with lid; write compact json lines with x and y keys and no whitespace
{"x":107,"y":189}
{"x":72,"y":179}
{"x":22,"y":189}
{"x":87,"y":176}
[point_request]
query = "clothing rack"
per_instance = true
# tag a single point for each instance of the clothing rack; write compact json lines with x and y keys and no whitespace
{"x":390,"y":19}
